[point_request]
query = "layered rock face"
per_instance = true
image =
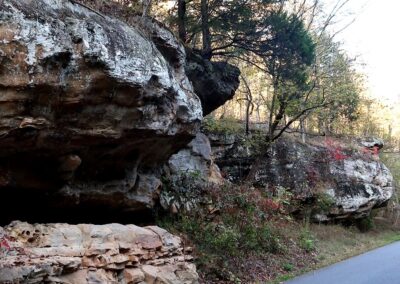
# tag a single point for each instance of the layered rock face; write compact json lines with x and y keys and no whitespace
{"x":89,"y":104}
{"x":342,"y":179}
{"x":61,"y":253}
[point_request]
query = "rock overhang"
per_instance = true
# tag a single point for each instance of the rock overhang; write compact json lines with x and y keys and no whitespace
{"x":74,"y":83}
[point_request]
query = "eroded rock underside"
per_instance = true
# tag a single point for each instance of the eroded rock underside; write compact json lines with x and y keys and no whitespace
{"x":90,"y":108}
{"x":62,"y":253}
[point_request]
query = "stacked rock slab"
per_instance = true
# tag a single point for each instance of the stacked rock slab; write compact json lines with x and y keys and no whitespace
{"x":75,"y":254}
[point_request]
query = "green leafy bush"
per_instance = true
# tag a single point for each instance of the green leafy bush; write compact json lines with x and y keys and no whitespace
{"x":183,"y":191}
{"x":222,"y":126}
{"x":324,"y":201}
{"x":240,"y":226}
{"x":365,"y":224}
{"x":288,"y":267}
{"x":307,"y":241}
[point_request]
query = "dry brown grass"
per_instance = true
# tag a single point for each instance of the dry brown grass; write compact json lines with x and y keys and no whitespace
{"x":334,"y":243}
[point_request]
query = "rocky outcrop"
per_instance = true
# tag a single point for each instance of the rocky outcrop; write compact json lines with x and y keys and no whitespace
{"x":91,"y":107}
{"x":196,"y":157}
{"x":214,"y":82}
{"x":337,"y":179}
{"x":86,"y":96}
{"x":371,"y":142}
{"x":61,"y":253}
{"x":187,"y":176}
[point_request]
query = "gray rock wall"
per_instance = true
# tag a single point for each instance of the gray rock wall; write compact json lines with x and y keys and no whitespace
{"x":342,"y":179}
{"x":188,"y":174}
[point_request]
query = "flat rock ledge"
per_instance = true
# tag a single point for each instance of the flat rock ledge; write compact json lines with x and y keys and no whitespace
{"x":113,"y":253}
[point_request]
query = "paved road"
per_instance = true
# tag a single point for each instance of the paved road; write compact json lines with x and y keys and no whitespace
{"x":380,"y":266}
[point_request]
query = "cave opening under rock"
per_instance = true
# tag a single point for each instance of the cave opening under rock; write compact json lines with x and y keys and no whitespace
{"x":36,"y":207}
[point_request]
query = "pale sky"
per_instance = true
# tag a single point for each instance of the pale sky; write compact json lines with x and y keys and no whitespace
{"x":375,"y":37}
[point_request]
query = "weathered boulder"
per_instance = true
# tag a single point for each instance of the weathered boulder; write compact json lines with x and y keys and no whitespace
{"x":196,"y":158}
{"x":371,"y":142}
{"x":89,"y":104}
{"x":61,"y":253}
{"x":337,"y":179}
{"x":214,"y":82}
{"x":188,"y":174}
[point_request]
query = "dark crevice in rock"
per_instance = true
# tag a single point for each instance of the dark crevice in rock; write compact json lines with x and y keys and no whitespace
{"x":39,"y":207}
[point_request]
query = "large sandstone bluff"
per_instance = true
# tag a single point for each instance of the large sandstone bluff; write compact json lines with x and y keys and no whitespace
{"x":91,"y":107}
{"x":90,"y":110}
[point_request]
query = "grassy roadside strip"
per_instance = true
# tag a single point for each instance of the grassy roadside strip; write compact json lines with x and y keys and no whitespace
{"x":335,"y":243}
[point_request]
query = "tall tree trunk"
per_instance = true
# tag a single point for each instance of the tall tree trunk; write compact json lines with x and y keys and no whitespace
{"x":272,"y":113}
{"x":258,"y":113}
{"x":182,"y":20}
{"x":222,"y":116}
{"x":248,"y":111}
{"x":205,"y":28}
{"x":249,"y":104}
{"x":303,"y":129}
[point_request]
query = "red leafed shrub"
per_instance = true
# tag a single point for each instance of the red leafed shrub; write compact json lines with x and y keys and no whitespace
{"x":7,"y":245}
{"x":338,"y":155}
{"x":335,"y":150}
{"x":4,"y":243}
{"x":270,"y":205}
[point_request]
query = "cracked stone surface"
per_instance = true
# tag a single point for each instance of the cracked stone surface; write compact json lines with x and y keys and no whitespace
{"x":345,"y":175}
{"x":113,"y":253}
